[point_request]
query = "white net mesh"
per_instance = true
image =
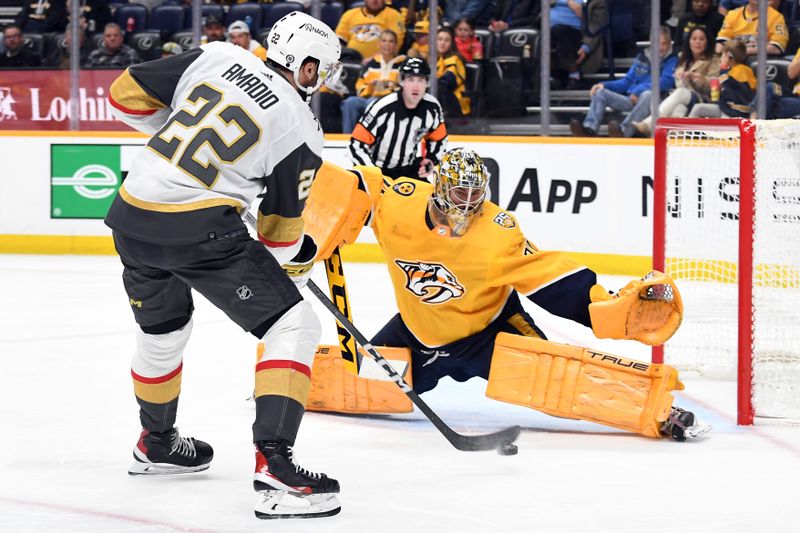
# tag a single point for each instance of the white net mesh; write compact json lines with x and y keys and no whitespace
{"x":702,"y":235}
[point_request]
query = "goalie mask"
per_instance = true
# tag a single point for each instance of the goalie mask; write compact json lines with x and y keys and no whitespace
{"x":460,"y":188}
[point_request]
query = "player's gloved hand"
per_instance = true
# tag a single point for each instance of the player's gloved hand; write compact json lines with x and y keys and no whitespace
{"x":299,"y":268}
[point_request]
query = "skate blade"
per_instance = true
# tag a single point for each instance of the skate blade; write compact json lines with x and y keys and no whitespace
{"x":275,"y":504}
{"x":697,"y":431}
{"x":162,"y":469}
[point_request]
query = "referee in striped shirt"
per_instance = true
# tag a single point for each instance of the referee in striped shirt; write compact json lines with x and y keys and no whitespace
{"x":403,"y":133}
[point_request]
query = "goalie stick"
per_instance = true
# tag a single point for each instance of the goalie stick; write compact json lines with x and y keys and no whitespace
{"x":498,"y":440}
{"x":338,"y":291}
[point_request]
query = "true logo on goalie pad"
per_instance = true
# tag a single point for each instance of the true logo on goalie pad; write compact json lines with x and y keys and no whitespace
{"x":621,"y":361}
{"x":432,"y":282}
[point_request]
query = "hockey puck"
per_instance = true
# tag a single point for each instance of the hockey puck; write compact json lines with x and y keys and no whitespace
{"x":507,"y":449}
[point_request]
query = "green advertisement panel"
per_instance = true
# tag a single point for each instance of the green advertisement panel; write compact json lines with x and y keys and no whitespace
{"x":85,"y":177}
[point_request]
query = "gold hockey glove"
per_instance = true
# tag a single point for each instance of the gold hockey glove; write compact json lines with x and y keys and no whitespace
{"x":648,"y":310}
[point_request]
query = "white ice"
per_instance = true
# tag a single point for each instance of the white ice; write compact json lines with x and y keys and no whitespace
{"x":68,"y":421}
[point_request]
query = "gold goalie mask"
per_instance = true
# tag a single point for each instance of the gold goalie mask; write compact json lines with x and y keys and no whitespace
{"x":460,"y":188}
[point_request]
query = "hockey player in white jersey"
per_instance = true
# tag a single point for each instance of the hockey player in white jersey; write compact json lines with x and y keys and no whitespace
{"x":227,"y":129}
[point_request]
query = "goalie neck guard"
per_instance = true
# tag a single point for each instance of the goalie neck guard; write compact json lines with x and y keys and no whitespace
{"x":460,"y":188}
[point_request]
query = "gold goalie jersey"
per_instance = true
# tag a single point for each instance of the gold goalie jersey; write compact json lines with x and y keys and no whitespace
{"x":448,"y":288}
{"x":226,"y":126}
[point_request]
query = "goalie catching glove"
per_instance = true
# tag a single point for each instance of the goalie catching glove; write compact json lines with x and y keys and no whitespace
{"x":648,"y":310}
{"x":299,"y":268}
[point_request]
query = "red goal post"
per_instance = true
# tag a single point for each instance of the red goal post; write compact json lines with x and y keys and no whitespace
{"x":724,"y":188}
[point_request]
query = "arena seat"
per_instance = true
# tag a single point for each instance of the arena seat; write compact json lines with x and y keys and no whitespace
{"x":167,"y":19}
{"x":272,"y":13}
{"x":147,"y":44}
{"x":331,"y":13}
{"x":34,"y":42}
{"x":184,"y":39}
{"x":131,"y":11}
{"x":486,"y":38}
{"x":250,"y":13}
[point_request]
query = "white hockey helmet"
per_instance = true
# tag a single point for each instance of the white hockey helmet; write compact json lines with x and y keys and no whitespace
{"x":298,"y":36}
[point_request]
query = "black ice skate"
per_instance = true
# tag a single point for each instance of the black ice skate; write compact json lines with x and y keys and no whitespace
{"x":286,"y":490}
{"x":169,"y":453}
{"x":682,"y":425}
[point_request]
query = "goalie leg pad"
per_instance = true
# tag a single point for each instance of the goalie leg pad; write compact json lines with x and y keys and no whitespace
{"x":335,"y":389}
{"x":574,"y":382}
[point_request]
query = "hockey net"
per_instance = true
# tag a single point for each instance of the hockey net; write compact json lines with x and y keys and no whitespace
{"x":737,"y":264}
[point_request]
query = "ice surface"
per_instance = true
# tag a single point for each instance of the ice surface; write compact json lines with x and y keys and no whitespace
{"x":69,"y":422}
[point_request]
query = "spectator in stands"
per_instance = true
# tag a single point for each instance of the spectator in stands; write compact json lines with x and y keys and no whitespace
{"x":420,"y":47}
{"x":213,"y":30}
{"x":631,"y":93}
{"x":170,"y":49}
{"x":786,"y":106}
{"x":727,"y":5}
{"x":360,"y":27}
{"x":239,"y":34}
{"x":478,"y":11}
{"x":42,"y":16}
{"x":590,"y":53}
{"x":566,"y":38}
{"x":737,"y":86}
{"x":468,"y":45}
{"x":112,"y":52}
{"x":16,"y":54}
{"x":94,"y":15}
{"x":59,"y":57}
{"x":451,"y":74}
{"x":697,"y":65}
{"x":514,"y":14}
{"x":701,"y":16}
{"x":378,"y":78}
{"x":742,"y":24}
{"x":676,"y":10}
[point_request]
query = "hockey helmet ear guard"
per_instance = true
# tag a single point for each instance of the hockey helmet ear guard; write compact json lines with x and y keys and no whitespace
{"x":298,"y":36}
{"x":461,"y":182}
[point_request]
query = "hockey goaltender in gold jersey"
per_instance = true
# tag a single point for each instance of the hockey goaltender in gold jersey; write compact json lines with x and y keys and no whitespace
{"x":458,"y":263}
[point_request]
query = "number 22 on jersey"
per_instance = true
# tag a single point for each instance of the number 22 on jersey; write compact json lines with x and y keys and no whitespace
{"x":169,"y":144}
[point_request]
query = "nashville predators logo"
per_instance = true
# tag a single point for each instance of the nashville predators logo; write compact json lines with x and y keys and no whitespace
{"x":366,"y":33}
{"x":432,"y":282}
{"x":404,"y":189}
{"x":504,"y":220}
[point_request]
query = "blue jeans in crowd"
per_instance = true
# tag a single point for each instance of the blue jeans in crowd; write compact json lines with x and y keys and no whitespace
{"x":780,"y":106}
{"x":618,"y":102}
{"x":352,"y":109}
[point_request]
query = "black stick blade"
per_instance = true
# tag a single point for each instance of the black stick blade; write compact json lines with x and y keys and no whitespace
{"x":491,"y":441}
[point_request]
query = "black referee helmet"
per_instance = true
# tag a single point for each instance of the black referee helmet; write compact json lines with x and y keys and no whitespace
{"x":414,"y":66}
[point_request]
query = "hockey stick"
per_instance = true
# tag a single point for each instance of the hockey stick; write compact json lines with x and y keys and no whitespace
{"x":468,"y":443}
{"x":338,"y":291}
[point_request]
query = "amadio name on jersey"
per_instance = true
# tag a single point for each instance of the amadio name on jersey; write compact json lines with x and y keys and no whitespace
{"x":252,"y":86}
